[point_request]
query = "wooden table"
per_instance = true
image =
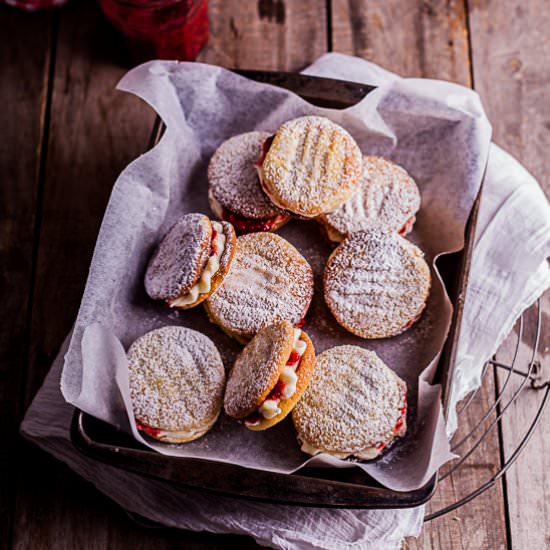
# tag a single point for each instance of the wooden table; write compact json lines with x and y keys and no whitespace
{"x":66,"y":134}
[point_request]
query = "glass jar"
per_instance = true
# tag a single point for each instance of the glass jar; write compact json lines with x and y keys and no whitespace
{"x":160,"y":29}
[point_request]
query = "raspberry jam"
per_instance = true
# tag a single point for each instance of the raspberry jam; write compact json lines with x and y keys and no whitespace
{"x":401,"y":419}
{"x":213,"y":249}
{"x":398,"y":424}
{"x":407,"y":227}
{"x":244,"y":225}
{"x":277,"y":391}
{"x":293,"y":359}
{"x":301,"y":323}
{"x":253,"y":419}
{"x":153,"y":432}
{"x":265,"y":148}
{"x":160,"y":29}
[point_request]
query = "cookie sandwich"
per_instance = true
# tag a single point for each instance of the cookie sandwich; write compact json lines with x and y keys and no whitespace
{"x":354,"y":406}
{"x":234,"y":191}
{"x":269,"y":281}
{"x":376,"y":284}
{"x":191,"y":261}
{"x":177,"y":382}
{"x":387,"y":200}
{"x":269,"y":376}
{"x":311,"y":166}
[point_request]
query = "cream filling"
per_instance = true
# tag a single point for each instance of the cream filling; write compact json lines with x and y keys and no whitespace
{"x":368,"y":453}
{"x":270,"y":407}
{"x":166,"y":435}
{"x":212,"y":266}
{"x":333,"y":234}
{"x":215,"y":206}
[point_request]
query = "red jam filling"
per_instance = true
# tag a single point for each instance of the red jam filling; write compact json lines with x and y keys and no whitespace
{"x":213,"y":249}
{"x":407,"y":226}
{"x":277,"y":391}
{"x":244,"y":225}
{"x":293,"y":359}
{"x":401,"y":419}
{"x":300,"y":323}
{"x":398,"y":424}
{"x":153,"y":432}
{"x":253,"y":419}
{"x":265,"y":148}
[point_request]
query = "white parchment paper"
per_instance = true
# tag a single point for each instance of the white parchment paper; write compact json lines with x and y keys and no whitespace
{"x":436,"y":130}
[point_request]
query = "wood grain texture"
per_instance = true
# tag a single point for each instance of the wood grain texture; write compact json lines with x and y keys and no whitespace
{"x":410,"y":37}
{"x":528,"y":481}
{"x":23,"y":92}
{"x":60,"y":511}
{"x":430,"y":39}
{"x":265,"y":34}
{"x":511,"y":47}
{"x":94,"y":132}
{"x":480,"y":523}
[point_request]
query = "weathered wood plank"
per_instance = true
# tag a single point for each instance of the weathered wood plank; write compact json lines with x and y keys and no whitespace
{"x":62,"y":512}
{"x":411,"y":37}
{"x":469,"y":526}
{"x":511,"y":48}
{"x":528,"y":481}
{"x":24,"y":58}
{"x":95,"y":132}
{"x":430,"y":39}
{"x":268,"y":34}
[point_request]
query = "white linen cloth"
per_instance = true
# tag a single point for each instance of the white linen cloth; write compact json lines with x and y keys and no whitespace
{"x":509,"y":271}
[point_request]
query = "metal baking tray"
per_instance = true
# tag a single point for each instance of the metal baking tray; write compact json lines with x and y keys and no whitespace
{"x":318,"y":487}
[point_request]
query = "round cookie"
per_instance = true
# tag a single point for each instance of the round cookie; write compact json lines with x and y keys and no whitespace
{"x":354,"y":405}
{"x":269,"y":281}
{"x":234,"y":191}
{"x":376,"y":284}
{"x":311,"y":167}
{"x":191,"y":261}
{"x":387,"y":200}
{"x":269,"y":376}
{"x":177,"y":381}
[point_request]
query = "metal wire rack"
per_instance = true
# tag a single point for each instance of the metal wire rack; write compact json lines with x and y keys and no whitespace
{"x":467,"y":445}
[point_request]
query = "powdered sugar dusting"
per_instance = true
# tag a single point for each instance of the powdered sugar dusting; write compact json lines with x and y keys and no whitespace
{"x":376,"y":284}
{"x":233,"y":178}
{"x":312,"y":166}
{"x":387,"y":198}
{"x":176,"y":379}
{"x":352,"y":402}
{"x":178,"y":262}
{"x":269,"y":280}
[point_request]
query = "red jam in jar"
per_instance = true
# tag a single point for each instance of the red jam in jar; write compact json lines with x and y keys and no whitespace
{"x":160,"y":29}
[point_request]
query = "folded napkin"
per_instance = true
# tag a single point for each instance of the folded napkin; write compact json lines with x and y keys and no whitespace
{"x":509,"y":271}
